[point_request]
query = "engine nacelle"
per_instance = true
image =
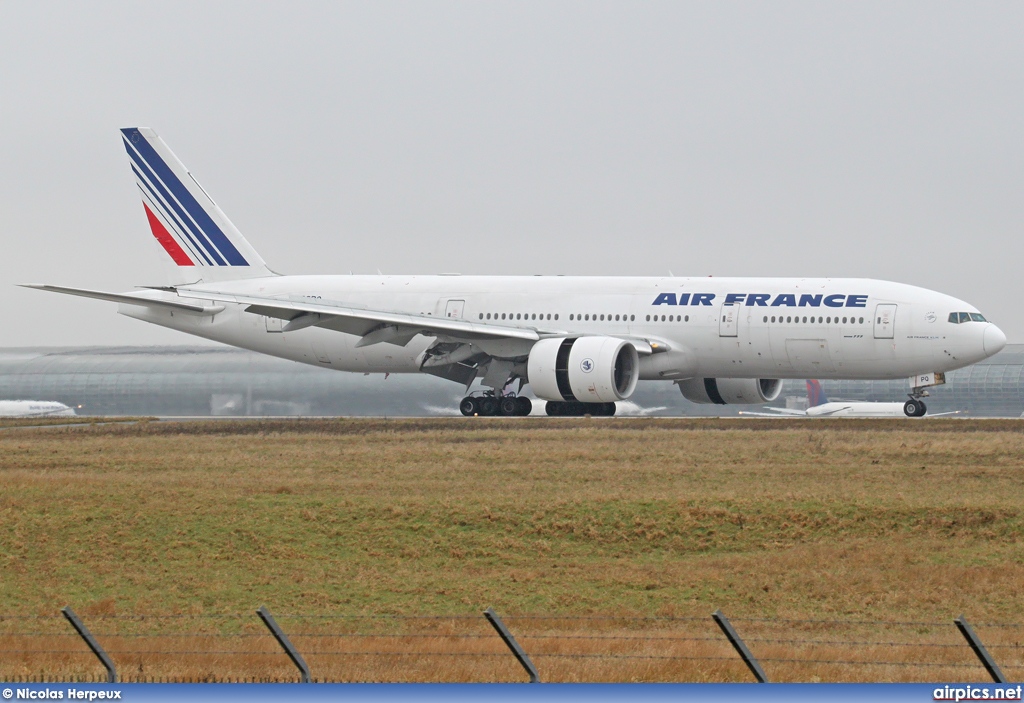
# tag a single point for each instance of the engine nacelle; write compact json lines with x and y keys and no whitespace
{"x":731,"y":391}
{"x":586,"y":369}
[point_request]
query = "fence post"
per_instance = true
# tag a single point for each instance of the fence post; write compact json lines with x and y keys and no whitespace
{"x":282,"y":639}
{"x":737,"y":643}
{"x":979,"y":650}
{"x":84,"y":633}
{"x":510,"y":642}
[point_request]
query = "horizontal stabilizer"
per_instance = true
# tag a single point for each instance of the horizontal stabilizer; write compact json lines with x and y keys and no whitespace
{"x":128,"y":298}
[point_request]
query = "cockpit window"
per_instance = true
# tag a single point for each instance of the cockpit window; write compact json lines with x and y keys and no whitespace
{"x":957,"y":317}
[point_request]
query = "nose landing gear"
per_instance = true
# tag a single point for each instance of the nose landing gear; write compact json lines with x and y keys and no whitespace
{"x":914,"y":408}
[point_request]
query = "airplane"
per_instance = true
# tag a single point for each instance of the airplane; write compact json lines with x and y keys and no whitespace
{"x":581,"y":342}
{"x":818,"y":405}
{"x":34,"y":408}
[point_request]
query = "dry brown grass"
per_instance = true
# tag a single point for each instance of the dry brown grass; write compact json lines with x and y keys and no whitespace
{"x":788,"y":520}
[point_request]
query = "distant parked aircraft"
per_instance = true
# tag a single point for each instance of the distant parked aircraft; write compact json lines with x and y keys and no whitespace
{"x":34,"y":408}
{"x":820,"y":406}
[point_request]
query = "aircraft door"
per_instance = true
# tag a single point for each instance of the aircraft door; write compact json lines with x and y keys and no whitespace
{"x":728,"y":320}
{"x":885,"y":321}
{"x":454,"y":309}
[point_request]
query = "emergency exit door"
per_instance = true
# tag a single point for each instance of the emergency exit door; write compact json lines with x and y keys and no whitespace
{"x":454,"y":308}
{"x":885,"y":321}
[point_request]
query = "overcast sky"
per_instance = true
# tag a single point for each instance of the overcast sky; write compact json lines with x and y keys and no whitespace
{"x":874,"y":139}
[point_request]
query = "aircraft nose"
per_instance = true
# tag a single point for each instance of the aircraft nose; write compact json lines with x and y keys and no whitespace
{"x":994,"y":340}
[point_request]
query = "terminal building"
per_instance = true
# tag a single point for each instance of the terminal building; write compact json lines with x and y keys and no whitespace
{"x":217,"y":380}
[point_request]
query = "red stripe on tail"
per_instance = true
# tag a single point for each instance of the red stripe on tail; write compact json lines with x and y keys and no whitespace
{"x":166,"y":240}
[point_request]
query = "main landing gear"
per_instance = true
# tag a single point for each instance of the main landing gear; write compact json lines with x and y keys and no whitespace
{"x":575,"y":409}
{"x":489,"y":404}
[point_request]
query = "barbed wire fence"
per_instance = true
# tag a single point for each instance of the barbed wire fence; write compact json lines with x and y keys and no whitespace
{"x":262,"y":648}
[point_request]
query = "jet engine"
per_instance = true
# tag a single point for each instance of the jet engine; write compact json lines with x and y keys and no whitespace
{"x":584,"y":369}
{"x":731,"y":391}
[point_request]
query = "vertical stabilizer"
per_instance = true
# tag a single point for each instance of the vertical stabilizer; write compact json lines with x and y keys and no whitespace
{"x":199,"y":241}
{"x":815,"y":395}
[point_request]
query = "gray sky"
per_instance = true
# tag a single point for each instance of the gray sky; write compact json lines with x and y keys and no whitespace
{"x":877,"y":139}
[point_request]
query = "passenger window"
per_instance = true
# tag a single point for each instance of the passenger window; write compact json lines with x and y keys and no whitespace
{"x":788,"y":318}
{"x":773,"y":318}
{"x":502,"y":316}
{"x":844,"y":320}
{"x":662,"y":318}
{"x":828,"y":320}
{"x":556,"y":315}
{"x":862,"y":320}
{"x":632,"y":317}
{"x":766,"y":318}
{"x":687,"y":319}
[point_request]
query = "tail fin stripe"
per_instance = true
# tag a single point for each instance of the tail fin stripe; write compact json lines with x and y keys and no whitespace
{"x":199,"y":215}
{"x":172,"y":226}
{"x":177,"y":196}
{"x":169,"y":200}
{"x":158,"y":203}
{"x":166,"y":240}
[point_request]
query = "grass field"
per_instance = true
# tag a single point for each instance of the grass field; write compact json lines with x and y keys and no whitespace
{"x":785,"y":521}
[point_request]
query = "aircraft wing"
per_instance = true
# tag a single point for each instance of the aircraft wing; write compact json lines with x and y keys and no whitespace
{"x":373,"y":326}
{"x":775,"y":412}
{"x":829,"y":413}
{"x":780,"y":413}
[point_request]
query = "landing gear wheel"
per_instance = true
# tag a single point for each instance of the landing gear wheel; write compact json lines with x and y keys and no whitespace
{"x":523,"y":406}
{"x":468,"y":406}
{"x":912,"y":408}
{"x":921,"y":409}
{"x":553,"y":408}
{"x":509,"y":406}
{"x":488,"y":406}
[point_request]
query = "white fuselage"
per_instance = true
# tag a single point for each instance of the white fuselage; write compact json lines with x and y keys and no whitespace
{"x":713,"y":327}
{"x":34,"y":408}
